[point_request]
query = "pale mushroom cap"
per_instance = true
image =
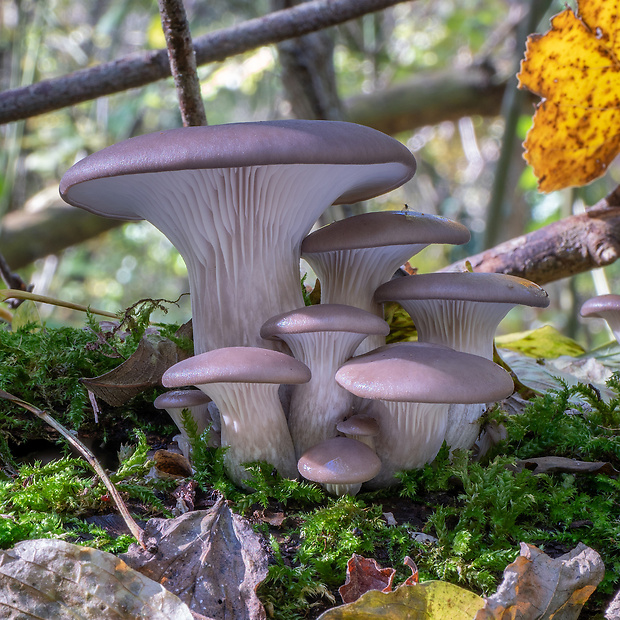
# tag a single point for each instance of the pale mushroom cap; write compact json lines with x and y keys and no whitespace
{"x":339,"y":460}
{"x":599,"y":306}
{"x":238,"y":145}
{"x":425,"y":373}
{"x":359,"y":424}
{"x":180,"y":399}
{"x":324,"y":318}
{"x":383,"y":228}
{"x":237,"y":365}
{"x":465,"y":286}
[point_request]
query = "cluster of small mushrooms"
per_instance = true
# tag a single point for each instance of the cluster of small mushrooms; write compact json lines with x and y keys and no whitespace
{"x":309,"y":389}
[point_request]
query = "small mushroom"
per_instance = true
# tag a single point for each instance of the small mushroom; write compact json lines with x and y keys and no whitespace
{"x":360,"y":426}
{"x":236,"y":201}
{"x":341,"y":465}
{"x":244,"y":382}
{"x":174,"y":402}
{"x":352,"y":257}
{"x":323,"y":337}
{"x":605,"y":307}
{"x":461,"y":311}
{"x":413,"y":384}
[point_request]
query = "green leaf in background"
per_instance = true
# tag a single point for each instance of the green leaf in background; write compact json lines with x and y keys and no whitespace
{"x":431,"y":600}
{"x":546,"y":342}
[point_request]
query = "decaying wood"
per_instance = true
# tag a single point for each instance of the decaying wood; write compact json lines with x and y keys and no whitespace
{"x":144,"y":68}
{"x":182,"y":58}
{"x":565,"y":248}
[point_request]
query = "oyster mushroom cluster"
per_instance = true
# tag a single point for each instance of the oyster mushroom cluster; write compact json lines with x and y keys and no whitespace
{"x":309,"y":389}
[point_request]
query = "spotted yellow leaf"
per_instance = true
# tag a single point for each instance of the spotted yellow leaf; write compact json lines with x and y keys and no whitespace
{"x":575,"y":68}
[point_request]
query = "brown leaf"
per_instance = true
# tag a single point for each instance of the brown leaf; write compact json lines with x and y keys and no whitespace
{"x":143,"y":370}
{"x":536,"y":587}
{"x":364,"y":574}
{"x":414,"y":579}
{"x":47,"y":579}
{"x":211,"y":559}
{"x":172,"y":464}
{"x":552,"y":464}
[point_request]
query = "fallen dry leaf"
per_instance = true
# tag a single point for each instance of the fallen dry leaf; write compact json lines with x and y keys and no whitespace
{"x":211,"y":559}
{"x":143,"y":370}
{"x":574,"y":68}
{"x":536,"y":587}
{"x":364,"y":574}
{"x":550,"y":464}
{"x":45,"y":579}
{"x":431,"y":600}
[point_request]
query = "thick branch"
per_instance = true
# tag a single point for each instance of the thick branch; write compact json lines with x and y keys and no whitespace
{"x":26,"y":236}
{"x":141,"y":69}
{"x":565,"y":248}
{"x":182,"y":60}
{"x":428,"y":99}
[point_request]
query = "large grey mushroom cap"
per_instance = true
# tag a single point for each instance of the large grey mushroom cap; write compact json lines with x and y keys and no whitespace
{"x":324,"y":318}
{"x":237,"y":365}
{"x":465,"y":286}
{"x":238,"y":145}
{"x":385,"y":228}
{"x":424,"y":373}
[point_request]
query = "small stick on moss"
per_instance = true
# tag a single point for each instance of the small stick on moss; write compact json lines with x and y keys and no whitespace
{"x":10,"y":293}
{"x":134,"y":528}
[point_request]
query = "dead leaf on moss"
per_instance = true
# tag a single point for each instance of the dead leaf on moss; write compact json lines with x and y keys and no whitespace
{"x":364,"y":574}
{"x":554,"y":464}
{"x":574,"y":68}
{"x":536,"y":587}
{"x":431,"y":600}
{"x":143,"y":370}
{"x":211,"y":559}
{"x":52,"y":579}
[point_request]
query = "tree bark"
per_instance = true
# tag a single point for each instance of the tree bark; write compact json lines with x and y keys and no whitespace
{"x":26,"y":237}
{"x":428,"y":99}
{"x":141,"y":69}
{"x":573,"y":245}
{"x":182,"y":59}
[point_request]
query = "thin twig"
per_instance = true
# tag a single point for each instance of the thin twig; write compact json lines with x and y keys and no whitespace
{"x":141,"y":69}
{"x":134,"y":528}
{"x":8,"y":293}
{"x":182,"y":58}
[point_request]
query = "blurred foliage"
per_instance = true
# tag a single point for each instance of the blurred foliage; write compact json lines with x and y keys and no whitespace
{"x":456,"y":159}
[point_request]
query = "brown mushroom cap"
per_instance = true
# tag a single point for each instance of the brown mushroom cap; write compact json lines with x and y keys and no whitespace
{"x":238,"y":145}
{"x":180,"y":399}
{"x":237,"y":365}
{"x":339,"y":460}
{"x":600,"y":306}
{"x":465,"y":286}
{"x":385,"y":228}
{"x":324,"y":318}
{"x":425,"y":373}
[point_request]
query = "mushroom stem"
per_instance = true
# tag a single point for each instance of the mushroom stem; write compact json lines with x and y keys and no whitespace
{"x":317,"y":406}
{"x":241,"y":405}
{"x":410,"y":436}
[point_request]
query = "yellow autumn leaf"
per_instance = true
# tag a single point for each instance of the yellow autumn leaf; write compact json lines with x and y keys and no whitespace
{"x":431,"y":600}
{"x":575,"y":68}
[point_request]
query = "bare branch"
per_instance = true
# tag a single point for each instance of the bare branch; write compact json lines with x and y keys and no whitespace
{"x":565,"y":248}
{"x":141,"y":69}
{"x":182,"y":62}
